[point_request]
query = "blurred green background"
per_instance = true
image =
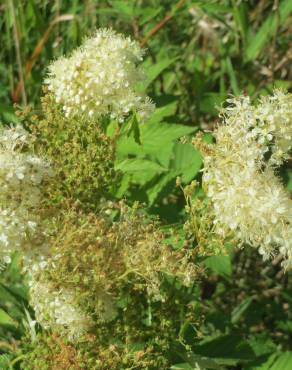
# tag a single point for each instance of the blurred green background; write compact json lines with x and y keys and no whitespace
{"x":202,"y":50}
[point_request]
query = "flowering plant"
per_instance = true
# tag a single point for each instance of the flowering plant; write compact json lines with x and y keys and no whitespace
{"x":111,"y":287}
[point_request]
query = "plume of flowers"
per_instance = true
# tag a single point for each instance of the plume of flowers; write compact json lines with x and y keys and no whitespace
{"x":22,"y":176}
{"x":110,"y":276}
{"x":239,"y":175}
{"x":56,"y":309}
{"x":101,"y":78}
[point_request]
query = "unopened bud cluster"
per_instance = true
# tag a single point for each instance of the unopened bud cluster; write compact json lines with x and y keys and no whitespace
{"x":98,"y":259}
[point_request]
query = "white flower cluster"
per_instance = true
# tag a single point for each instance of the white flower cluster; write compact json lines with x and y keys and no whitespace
{"x":239,"y":174}
{"x":57,"y":310}
{"x":101,"y":78}
{"x":21,"y":175}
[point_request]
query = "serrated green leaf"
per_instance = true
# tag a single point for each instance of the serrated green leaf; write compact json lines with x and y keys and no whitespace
{"x":123,"y":8}
{"x":186,"y":160}
{"x":140,"y":170}
{"x":162,"y":112}
{"x":156,"y":136}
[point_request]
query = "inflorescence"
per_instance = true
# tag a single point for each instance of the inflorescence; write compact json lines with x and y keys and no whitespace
{"x":23,"y":178}
{"x":96,"y":275}
{"x":240,"y":174}
{"x":101,"y":78}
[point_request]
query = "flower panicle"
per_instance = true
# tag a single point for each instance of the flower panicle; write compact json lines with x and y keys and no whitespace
{"x":101,"y":78}
{"x":23,"y":176}
{"x":239,"y":174}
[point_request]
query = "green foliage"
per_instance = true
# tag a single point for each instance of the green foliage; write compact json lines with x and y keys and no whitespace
{"x":257,"y":44}
{"x":158,"y":157}
{"x":13,"y":322}
{"x":206,"y":51}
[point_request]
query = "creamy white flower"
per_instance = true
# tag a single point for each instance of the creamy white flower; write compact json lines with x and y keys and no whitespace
{"x":101,"y":78}
{"x":21,"y":175}
{"x":56,"y":309}
{"x":239,"y":174}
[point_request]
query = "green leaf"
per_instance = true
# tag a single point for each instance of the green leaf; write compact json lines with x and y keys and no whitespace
{"x":239,"y":310}
{"x":157,"y":141}
{"x":276,"y":361}
{"x":8,"y":114}
{"x":162,"y":112}
{"x":154,"y":191}
{"x":210,"y":102}
{"x":262,"y":345}
{"x":108,"y":11}
{"x":5,"y":361}
{"x":141,"y":170}
{"x":5,"y":319}
{"x":123,"y":186}
{"x":134,"y":128}
{"x":182,"y":366}
{"x":226,"y":348}
{"x":283,"y":362}
{"x":156,"y":136}
{"x":220,"y":265}
{"x":203,"y":362}
{"x":147,"y":13}
{"x":134,"y":165}
{"x":187,"y":161}
{"x":124,"y":8}
{"x":232,"y":76}
{"x":155,"y":70}
{"x":5,"y":295}
{"x":285,"y":326}
{"x":195,"y":361}
{"x":240,"y":12}
{"x":267,"y":30}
